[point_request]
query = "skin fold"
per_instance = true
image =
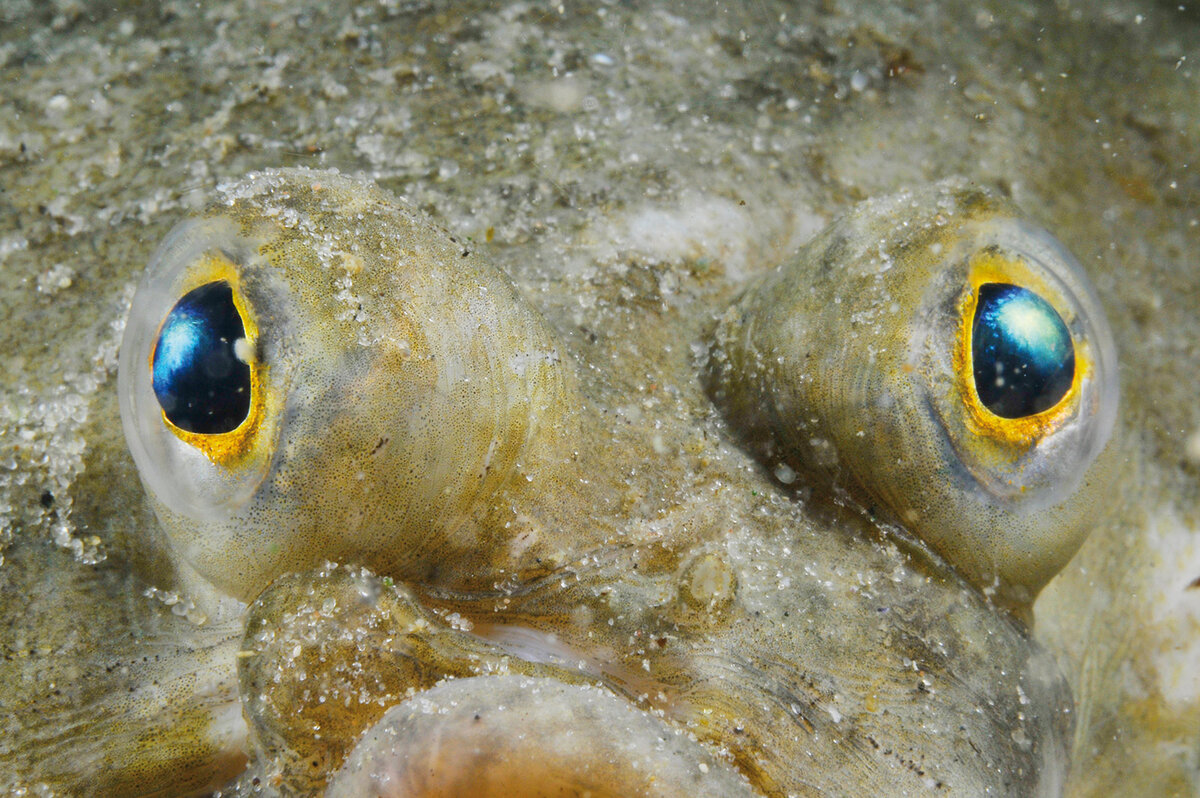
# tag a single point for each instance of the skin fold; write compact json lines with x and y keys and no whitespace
{"x":524,"y":507}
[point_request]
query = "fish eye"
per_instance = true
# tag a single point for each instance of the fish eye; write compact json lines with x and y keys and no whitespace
{"x":196,"y":396}
{"x":945,"y":362}
{"x":311,"y":371}
{"x":200,"y":366}
{"x":1023,"y":361}
{"x":1025,"y":341}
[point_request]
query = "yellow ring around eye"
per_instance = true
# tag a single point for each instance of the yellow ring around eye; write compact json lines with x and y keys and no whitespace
{"x":993,"y":266}
{"x":228,"y":449}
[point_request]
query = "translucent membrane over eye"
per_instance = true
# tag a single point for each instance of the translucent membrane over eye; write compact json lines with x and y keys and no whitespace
{"x":1022,"y":351}
{"x":199,"y":380}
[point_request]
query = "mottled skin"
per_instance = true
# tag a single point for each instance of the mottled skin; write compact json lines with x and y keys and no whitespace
{"x":124,"y":122}
{"x":436,"y":434}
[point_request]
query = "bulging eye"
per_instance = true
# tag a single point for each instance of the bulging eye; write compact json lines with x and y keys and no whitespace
{"x":197,"y":402}
{"x":311,"y":371}
{"x":947,"y":363}
{"x":200,"y":368}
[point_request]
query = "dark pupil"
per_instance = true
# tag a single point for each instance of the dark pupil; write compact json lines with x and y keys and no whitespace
{"x":199,"y":381}
{"x":1024,"y":358}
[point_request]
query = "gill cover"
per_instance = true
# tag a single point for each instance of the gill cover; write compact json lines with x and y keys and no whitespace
{"x":947,"y":363}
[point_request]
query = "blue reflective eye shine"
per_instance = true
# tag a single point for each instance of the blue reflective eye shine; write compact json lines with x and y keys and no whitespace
{"x":1023,"y":355}
{"x":200,"y":382}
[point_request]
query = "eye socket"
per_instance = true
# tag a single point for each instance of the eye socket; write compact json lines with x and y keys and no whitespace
{"x":944,"y":362}
{"x":1023,"y":360}
{"x":200,"y":366}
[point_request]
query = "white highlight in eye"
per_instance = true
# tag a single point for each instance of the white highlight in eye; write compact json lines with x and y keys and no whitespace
{"x":242,"y":350}
{"x":178,"y":342}
{"x":1028,"y":323}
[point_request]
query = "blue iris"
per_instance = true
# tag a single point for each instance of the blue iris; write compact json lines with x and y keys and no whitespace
{"x":198,"y":378}
{"x":1024,"y":357}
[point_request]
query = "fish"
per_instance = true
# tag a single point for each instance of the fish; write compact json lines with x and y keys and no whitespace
{"x":625,"y":251}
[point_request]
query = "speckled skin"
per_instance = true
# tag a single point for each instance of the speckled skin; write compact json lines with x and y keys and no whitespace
{"x":470,"y":464}
{"x":601,"y":159}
